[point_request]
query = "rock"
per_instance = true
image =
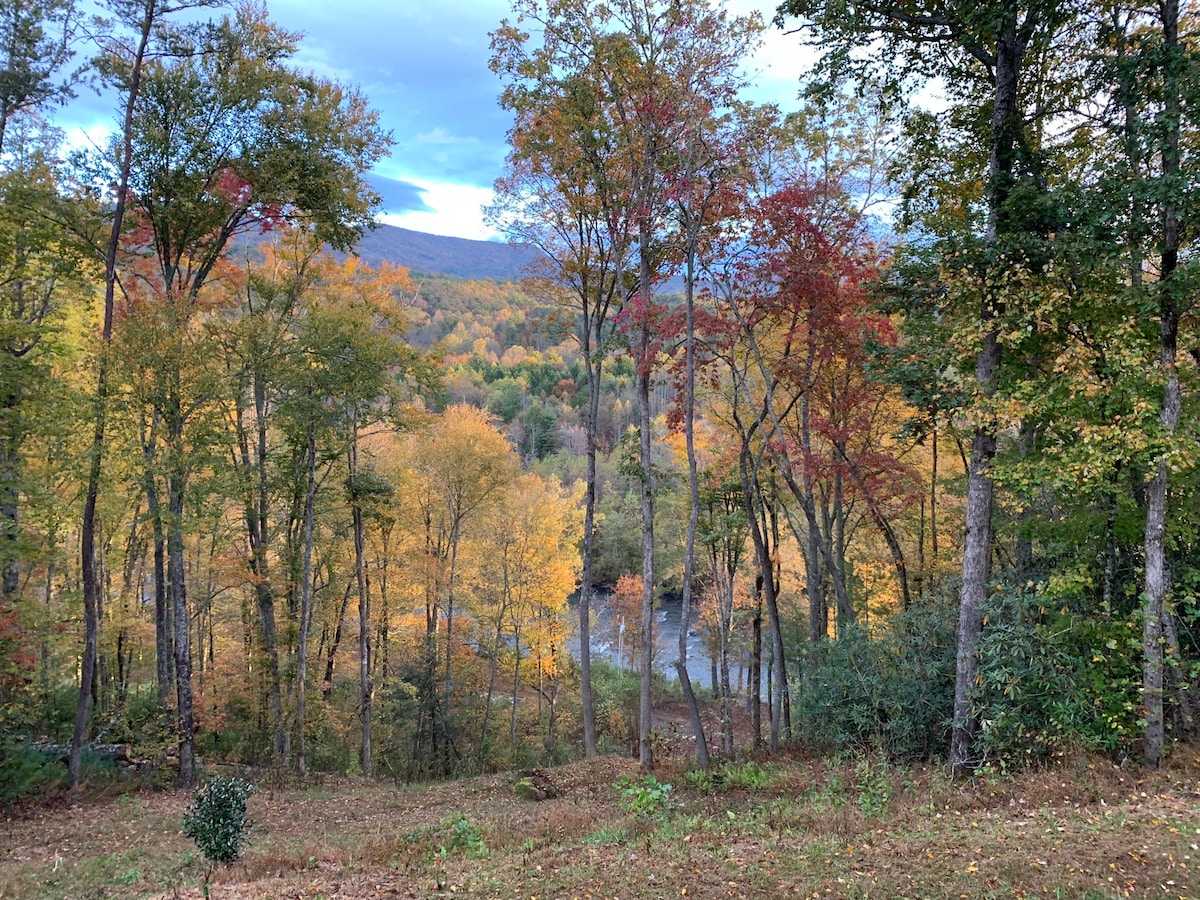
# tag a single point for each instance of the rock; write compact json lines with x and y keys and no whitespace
{"x":535,"y":785}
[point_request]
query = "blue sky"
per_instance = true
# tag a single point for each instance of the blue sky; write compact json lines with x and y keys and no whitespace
{"x":423,"y":65}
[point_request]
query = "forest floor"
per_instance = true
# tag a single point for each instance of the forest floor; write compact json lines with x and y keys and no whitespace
{"x":781,"y":826}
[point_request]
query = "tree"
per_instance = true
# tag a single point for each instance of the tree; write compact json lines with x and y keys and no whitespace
{"x":124,"y":66}
{"x":722,"y":530}
{"x":983,"y":53}
{"x":1155,"y":89}
{"x":462,"y":466}
{"x":618,"y":81}
{"x":36,"y":46}
{"x":702,"y":180}
{"x":566,"y":193}
{"x":256,"y":345}
{"x":527,"y":570}
{"x":358,"y":365}
{"x":222,"y":141}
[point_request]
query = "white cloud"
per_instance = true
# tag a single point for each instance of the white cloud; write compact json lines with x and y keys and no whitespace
{"x":87,"y":137}
{"x":440,"y":135}
{"x":457,"y":211}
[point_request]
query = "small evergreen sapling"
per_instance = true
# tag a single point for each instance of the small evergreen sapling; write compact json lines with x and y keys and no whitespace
{"x":216,"y":819}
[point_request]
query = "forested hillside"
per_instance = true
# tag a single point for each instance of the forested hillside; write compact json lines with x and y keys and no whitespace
{"x":430,"y":253}
{"x":886,"y":397}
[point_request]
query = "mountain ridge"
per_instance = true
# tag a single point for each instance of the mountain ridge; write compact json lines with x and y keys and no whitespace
{"x":433,"y":254}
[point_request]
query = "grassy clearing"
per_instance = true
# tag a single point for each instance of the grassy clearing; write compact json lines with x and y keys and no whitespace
{"x":769,"y":828}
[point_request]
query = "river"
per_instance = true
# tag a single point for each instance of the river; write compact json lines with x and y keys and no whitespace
{"x":608,"y":641}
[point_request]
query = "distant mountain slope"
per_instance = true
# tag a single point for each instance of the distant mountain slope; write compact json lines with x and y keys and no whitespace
{"x":433,"y":254}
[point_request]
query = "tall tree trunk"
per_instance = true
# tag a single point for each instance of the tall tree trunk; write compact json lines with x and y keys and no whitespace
{"x":933,"y":528}
{"x":257,"y":512}
{"x":383,"y":651}
{"x":335,"y":641}
{"x":1006,"y":127}
{"x":846,"y":614}
{"x":818,"y":609}
{"x":779,"y":703}
{"x":644,"y":365}
{"x":164,"y":634}
{"x":754,"y":700}
{"x":448,"y":682}
{"x":1154,"y":606}
{"x":689,"y":556}
{"x":516,"y":684}
{"x":87,"y":530}
{"x":495,"y":661}
{"x":310,"y":493}
{"x":184,"y":714}
{"x":594,"y":369}
{"x":10,"y":493}
{"x":364,"y":609}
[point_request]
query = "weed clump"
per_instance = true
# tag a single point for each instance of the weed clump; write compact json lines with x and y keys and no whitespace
{"x":646,"y":797}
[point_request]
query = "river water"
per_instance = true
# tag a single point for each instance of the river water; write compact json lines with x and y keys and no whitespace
{"x":608,"y":641}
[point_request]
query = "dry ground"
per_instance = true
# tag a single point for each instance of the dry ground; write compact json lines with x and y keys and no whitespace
{"x":819,"y":828}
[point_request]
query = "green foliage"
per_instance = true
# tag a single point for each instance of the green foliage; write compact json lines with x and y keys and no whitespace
{"x":508,"y":398}
{"x":465,"y":839}
{"x":700,"y":780}
{"x":646,"y":797}
{"x":1053,"y":681}
{"x":216,"y":819}
{"x":874,"y":782}
{"x":606,"y":835}
{"x":831,"y":793}
{"x":26,"y":771}
{"x":747,"y":775}
{"x":889,"y":690}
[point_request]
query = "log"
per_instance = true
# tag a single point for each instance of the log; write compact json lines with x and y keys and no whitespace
{"x":115,"y":753}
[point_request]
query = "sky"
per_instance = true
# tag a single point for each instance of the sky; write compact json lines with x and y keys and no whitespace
{"x":423,"y":64}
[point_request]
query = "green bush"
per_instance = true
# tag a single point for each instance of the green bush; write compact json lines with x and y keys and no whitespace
{"x":465,"y":839}
{"x":700,"y":780}
{"x":216,"y":819}
{"x":1052,"y":681}
{"x":26,"y":771}
{"x":874,"y":782}
{"x":889,"y":690}
{"x":645,"y":797}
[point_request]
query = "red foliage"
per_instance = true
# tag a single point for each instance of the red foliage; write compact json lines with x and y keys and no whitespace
{"x":647,"y":325}
{"x":804,"y":292}
{"x":229,"y":187}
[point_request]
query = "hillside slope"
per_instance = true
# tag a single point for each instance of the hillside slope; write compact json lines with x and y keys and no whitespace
{"x":435,"y":254}
{"x":808,"y":828}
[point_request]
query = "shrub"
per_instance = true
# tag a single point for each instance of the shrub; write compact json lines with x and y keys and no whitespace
{"x":645,"y":797}
{"x":216,"y":819}
{"x":890,"y":690}
{"x":1052,"y":681}
{"x":874,"y":782}
{"x":747,"y":775}
{"x":699,"y":780}
{"x":26,"y":771}
{"x":466,"y":839}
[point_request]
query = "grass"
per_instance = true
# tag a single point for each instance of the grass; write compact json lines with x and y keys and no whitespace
{"x":851,"y":828}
